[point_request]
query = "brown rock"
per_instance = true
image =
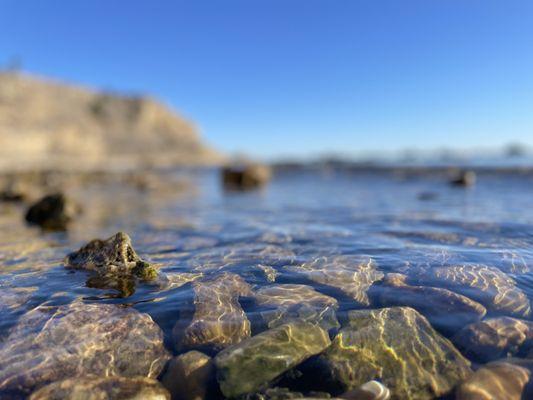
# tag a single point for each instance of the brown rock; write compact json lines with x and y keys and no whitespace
{"x":245,"y":177}
{"x":52,"y":212}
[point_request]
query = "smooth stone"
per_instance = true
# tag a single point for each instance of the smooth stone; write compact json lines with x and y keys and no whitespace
{"x":351,"y":275}
{"x":219,"y":320}
{"x":496,"y":381}
{"x":253,"y":363}
{"x":484,"y":284}
{"x":103,"y":388}
{"x":53,"y":343}
{"x":494,"y":338}
{"x":443,"y":308}
{"x":245,"y":177}
{"x":190,"y":376}
{"x":372,"y":390}
{"x":52,"y":212}
{"x":396,"y":346}
{"x":296,"y":302}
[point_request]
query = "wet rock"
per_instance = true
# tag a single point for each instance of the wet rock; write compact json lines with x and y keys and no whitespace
{"x":218,"y":320}
{"x":443,"y":308}
{"x":484,"y":284}
{"x":396,"y":346}
{"x":103,"y":388}
{"x":496,"y":381}
{"x":53,"y":343}
{"x":245,"y":177}
{"x":190,"y":376}
{"x":351,"y":275}
{"x":112,"y":257}
{"x":269,"y":272}
{"x":253,"y":363}
{"x":296,"y":302}
{"x":52,"y":212}
{"x":464,"y":179}
{"x":494,"y":338}
{"x":372,"y":390}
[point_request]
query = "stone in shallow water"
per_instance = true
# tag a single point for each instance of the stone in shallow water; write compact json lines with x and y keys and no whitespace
{"x":53,"y":343}
{"x":396,"y":346}
{"x":351,"y":275}
{"x":296,"y":302}
{"x":256,"y":361}
{"x":52,"y":212}
{"x":218,"y":320}
{"x":443,"y":308}
{"x":190,"y":376}
{"x":372,"y":390}
{"x":487,"y":285}
{"x":494,"y":338}
{"x":496,"y":381}
{"x":103,"y":388}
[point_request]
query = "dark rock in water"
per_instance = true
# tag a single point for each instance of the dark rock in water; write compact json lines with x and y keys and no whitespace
{"x":496,"y":381}
{"x":52,"y":212}
{"x":219,"y":320}
{"x":11,"y":196}
{"x":103,"y":388}
{"x":487,"y":285}
{"x":494,"y":338}
{"x":190,"y":376}
{"x":111,"y":257}
{"x":443,"y":308}
{"x":351,"y":275}
{"x":372,"y":390}
{"x":245,"y":177}
{"x":464,"y":179}
{"x":296,"y":302}
{"x":396,"y":346}
{"x":253,"y":363}
{"x":53,"y":343}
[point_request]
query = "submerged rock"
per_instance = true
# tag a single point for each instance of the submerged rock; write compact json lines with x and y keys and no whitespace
{"x":296,"y":302}
{"x":396,"y":346}
{"x":487,"y":285}
{"x":174,"y":280}
{"x":53,"y":343}
{"x":103,"y":388}
{"x":351,"y":275}
{"x":52,"y":212}
{"x":245,"y":177}
{"x":253,"y":363}
{"x":443,"y":308}
{"x":190,"y":376}
{"x":372,"y":390}
{"x":494,"y":338}
{"x":12,"y":298}
{"x":218,"y":320}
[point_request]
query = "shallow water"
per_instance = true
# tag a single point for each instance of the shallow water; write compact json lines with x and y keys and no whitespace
{"x":301,"y":217}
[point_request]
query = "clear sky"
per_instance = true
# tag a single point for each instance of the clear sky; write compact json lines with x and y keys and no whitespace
{"x":298,"y":77}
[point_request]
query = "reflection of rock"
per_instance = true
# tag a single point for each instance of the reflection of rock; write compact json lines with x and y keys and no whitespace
{"x":494,"y":338}
{"x":190,"y":376}
{"x":350,"y":275}
{"x":219,"y":319}
{"x":52,"y":212}
{"x":108,"y":388}
{"x":398,"y":347}
{"x":254,"y":362}
{"x":443,"y":308}
{"x":245,"y":177}
{"x":487,"y":285}
{"x":495,"y":381}
{"x":53,"y":343}
{"x":288,"y":302}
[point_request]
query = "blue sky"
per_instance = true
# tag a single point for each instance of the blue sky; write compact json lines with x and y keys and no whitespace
{"x":299,"y":77}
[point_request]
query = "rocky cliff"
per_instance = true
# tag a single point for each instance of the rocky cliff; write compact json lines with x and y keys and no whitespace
{"x":50,"y":124}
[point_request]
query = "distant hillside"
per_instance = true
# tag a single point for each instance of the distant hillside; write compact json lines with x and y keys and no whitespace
{"x":49,"y":124}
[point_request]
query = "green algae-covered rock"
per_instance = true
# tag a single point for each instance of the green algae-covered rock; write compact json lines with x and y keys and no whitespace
{"x":103,"y":388}
{"x":254,"y":362}
{"x":396,"y":346}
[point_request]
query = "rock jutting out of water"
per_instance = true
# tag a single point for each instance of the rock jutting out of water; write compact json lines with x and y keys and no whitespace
{"x":494,"y":338}
{"x":487,"y":285}
{"x":296,"y":302}
{"x":245,"y":177}
{"x":190,"y":376}
{"x":443,"y":308}
{"x":53,"y":343}
{"x":103,"y":388}
{"x":253,"y":363}
{"x":351,"y":275}
{"x":219,"y":320}
{"x":396,"y":346}
{"x":52,"y":212}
